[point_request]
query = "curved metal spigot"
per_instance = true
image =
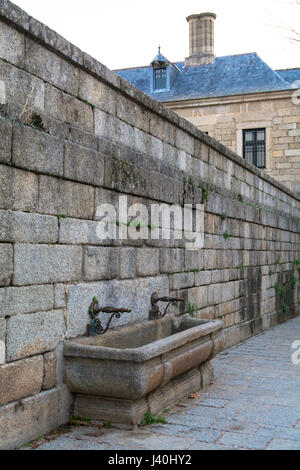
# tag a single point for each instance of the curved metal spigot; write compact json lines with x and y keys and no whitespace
{"x":155,"y":312}
{"x":96,"y":327}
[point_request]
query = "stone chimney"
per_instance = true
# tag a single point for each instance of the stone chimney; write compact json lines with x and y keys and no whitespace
{"x":201,"y":39}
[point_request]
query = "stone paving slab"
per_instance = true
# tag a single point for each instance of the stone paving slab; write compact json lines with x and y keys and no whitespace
{"x":65,"y":443}
{"x":253,"y":404}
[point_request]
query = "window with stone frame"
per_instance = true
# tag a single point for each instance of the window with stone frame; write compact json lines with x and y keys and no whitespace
{"x":254,"y":147}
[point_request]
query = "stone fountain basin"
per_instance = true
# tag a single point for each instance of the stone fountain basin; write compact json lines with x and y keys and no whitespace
{"x":126,"y":366}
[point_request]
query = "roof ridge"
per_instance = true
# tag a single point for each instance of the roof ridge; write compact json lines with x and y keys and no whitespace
{"x":182,"y":61}
{"x":133,"y":68}
{"x":275,"y":72}
{"x":285,"y":70}
{"x":237,"y":55}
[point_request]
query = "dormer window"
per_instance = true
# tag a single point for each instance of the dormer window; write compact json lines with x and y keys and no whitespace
{"x":161,"y":73}
{"x":160,"y":78}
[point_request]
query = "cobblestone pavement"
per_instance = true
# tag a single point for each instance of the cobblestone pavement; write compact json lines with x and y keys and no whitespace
{"x":254,"y":403}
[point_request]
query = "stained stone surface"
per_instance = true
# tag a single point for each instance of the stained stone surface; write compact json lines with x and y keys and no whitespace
{"x":50,"y":370}
{"x":6,"y":264}
{"x":5,"y":144}
{"x":2,"y":329}
{"x":36,"y":150}
{"x":21,"y":227}
{"x":2,"y":340}
{"x":125,"y":294}
{"x":21,"y":378}
{"x":24,"y":420}
{"x":38,"y":264}
{"x":32,"y":334}
{"x":29,"y":299}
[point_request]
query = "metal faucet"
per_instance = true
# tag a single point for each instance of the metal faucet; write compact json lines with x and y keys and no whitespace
{"x":155,"y":313}
{"x":96,"y":327}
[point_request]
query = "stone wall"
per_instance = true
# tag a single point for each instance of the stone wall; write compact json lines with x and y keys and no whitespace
{"x":278,"y":112}
{"x":73,"y":135}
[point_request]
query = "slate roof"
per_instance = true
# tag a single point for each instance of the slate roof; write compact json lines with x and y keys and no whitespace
{"x":160,"y":58}
{"x":289,"y":75}
{"x":228,"y":75}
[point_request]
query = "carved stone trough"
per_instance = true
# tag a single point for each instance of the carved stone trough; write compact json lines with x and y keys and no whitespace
{"x":145,"y":366}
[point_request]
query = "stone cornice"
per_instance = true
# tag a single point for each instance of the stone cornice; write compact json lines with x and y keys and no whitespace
{"x":220,"y":100}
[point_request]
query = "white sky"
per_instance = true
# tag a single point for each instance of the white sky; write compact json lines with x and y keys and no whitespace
{"x":126,"y":33}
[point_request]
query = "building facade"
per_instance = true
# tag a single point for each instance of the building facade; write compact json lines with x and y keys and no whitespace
{"x":238,"y":100}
